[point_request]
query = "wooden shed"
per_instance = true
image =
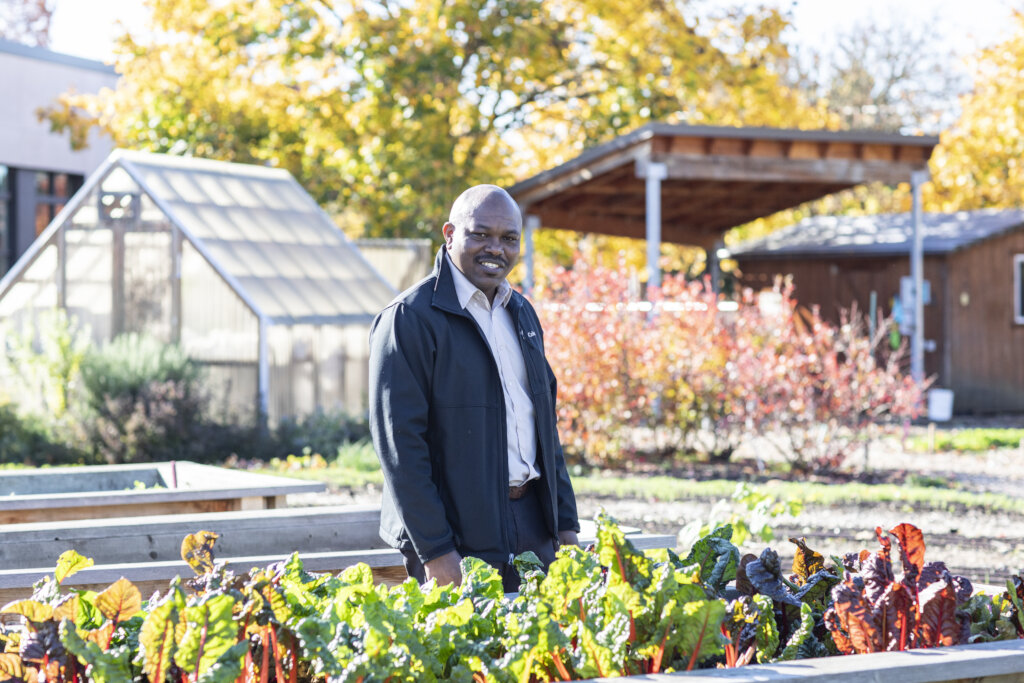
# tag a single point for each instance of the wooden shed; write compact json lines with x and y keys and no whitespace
{"x":973,"y":261}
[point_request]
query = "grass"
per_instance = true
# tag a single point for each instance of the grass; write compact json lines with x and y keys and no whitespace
{"x":356,"y":467}
{"x":667,"y":489}
{"x":976,"y":440}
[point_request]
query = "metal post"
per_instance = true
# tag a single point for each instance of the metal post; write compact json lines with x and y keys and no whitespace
{"x":654,"y":172}
{"x":263,"y":374}
{"x":917,"y":178}
{"x":532,"y":224}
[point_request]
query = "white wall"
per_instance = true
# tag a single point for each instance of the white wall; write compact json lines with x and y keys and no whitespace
{"x":31,"y":78}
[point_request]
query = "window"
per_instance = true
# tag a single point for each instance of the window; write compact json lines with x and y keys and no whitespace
{"x":1018,"y":289}
{"x":52,"y":193}
{"x":5,"y":220}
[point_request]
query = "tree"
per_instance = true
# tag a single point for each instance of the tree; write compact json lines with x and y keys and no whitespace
{"x":979,"y":162}
{"x":385,"y":110}
{"x":26,"y":21}
{"x":890,"y":76}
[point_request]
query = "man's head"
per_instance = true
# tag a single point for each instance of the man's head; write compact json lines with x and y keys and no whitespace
{"x":482,"y":235}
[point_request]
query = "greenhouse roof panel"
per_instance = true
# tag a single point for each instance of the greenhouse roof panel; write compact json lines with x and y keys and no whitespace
{"x":265,"y":235}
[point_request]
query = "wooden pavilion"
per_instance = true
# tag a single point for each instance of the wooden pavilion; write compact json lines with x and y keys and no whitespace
{"x":690,"y":184}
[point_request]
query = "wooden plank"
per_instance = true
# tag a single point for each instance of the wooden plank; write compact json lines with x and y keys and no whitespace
{"x":158,"y":538}
{"x":812,"y":169}
{"x":1000,"y":662}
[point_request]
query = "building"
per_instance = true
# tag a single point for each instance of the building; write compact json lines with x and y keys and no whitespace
{"x":973,"y":264}
{"x":234,"y":262}
{"x":39,"y":172}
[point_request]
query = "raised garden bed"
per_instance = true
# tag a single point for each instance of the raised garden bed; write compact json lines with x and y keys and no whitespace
{"x":181,"y":487}
{"x":999,"y":662}
{"x":147,"y":550}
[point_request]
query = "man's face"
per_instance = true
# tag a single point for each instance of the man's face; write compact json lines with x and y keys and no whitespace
{"x":484,"y":245}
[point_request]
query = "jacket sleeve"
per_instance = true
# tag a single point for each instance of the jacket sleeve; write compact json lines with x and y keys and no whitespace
{"x":567,"y":517}
{"x":402,"y":352}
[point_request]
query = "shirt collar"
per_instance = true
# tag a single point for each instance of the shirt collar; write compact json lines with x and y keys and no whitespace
{"x":466,"y":290}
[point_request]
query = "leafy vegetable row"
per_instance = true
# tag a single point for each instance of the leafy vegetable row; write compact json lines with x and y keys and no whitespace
{"x":609,"y":610}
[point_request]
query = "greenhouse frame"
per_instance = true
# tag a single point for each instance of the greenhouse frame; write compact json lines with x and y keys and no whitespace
{"x":234,"y":262}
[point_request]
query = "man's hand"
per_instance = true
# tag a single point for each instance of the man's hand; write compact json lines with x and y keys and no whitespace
{"x":568,"y":538}
{"x":444,"y":568}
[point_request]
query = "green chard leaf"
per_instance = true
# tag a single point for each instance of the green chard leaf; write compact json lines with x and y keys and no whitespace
{"x":70,"y":562}
{"x":210,"y":632}
{"x":717,"y":558}
{"x":101,"y":667}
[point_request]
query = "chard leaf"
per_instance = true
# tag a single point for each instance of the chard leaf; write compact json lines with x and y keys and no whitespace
{"x":228,"y":665}
{"x":11,"y":665}
{"x":66,"y":607}
{"x":197,"y":551}
{"x":1015,"y":594}
{"x":911,"y":541}
{"x":697,"y":634}
{"x":801,"y":636}
{"x":210,"y":632}
{"x":765,"y":574}
{"x":939,"y":624}
{"x":32,"y":610}
{"x":314,"y":638}
{"x":68,"y":563}
{"x":101,"y":667}
{"x":817,"y":589}
{"x":855,"y":617}
{"x":717,"y":558}
{"x":119,"y":601}
{"x":766,"y":629}
{"x":480,"y":581}
{"x":159,"y":635}
{"x":806,"y":561}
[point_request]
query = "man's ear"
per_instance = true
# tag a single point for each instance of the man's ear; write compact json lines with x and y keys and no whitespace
{"x":447,"y":230}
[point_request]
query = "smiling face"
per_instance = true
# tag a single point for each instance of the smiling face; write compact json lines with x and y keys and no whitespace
{"x":482,"y":236}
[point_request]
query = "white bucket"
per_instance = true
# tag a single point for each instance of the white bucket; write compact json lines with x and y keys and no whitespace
{"x":940,"y":405}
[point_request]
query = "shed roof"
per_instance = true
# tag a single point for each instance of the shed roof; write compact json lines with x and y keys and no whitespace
{"x":879,"y":235}
{"x":718,"y":177}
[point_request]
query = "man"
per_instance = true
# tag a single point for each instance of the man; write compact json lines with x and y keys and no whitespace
{"x":462,"y":408}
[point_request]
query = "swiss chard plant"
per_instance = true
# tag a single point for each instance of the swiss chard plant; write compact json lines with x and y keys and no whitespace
{"x":609,"y":610}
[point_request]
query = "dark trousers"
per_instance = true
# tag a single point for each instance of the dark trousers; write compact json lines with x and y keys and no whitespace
{"x":526,"y":531}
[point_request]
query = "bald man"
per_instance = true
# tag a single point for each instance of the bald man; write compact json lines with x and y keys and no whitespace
{"x":462,"y":407}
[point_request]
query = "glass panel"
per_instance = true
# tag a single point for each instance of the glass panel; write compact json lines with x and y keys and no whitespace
{"x":3,"y":180}
{"x":42,"y":183}
{"x":35,"y":291}
{"x":216,"y":325}
{"x":88,"y":272}
{"x":147,"y":284}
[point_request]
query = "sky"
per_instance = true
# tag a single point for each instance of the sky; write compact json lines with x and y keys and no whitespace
{"x":87,"y":28}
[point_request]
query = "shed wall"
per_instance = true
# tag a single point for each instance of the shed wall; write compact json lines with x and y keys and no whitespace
{"x":987,"y":347}
{"x":834,"y":284}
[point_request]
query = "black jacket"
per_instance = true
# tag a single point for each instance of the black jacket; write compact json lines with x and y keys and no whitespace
{"x":437,"y":416}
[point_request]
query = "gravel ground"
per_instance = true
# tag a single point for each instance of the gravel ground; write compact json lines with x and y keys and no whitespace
{"x":984,"y":546}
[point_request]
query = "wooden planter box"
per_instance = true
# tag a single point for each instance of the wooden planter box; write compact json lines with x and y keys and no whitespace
{"x":146,"y":550}
{"x":66,"y":493}
{"x":1001,"y":662}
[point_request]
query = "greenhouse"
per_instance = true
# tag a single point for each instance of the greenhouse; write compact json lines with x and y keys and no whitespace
{"x":236,"y":263}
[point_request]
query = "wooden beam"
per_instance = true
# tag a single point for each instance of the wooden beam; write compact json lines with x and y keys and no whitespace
{"x":791,"y":171}
{"x":579,"y":176}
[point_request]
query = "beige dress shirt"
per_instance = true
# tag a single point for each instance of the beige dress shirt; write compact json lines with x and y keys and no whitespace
{"x":499,"y":330}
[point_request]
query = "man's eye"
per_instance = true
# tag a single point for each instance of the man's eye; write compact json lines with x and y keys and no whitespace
{"x":511,"y":238}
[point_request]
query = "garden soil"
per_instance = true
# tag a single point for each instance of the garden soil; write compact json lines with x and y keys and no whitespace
{"x":984,"y":545}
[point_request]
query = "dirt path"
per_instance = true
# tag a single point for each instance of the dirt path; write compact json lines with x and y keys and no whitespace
{"x":985,"y":546}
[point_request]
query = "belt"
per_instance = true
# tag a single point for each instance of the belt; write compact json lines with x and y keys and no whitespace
{"x":517,"y":492}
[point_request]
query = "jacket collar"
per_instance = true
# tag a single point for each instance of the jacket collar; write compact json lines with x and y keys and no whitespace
{"x":445,"y":297}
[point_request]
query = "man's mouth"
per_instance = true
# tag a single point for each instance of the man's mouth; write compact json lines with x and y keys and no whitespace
{"x":491,"y":264}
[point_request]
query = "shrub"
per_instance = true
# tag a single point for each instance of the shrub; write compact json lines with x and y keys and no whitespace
{"x":144,"y":401}
{"x":28,"y":440}
{"x":682,"y":371}
{"x":323,"y":432}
